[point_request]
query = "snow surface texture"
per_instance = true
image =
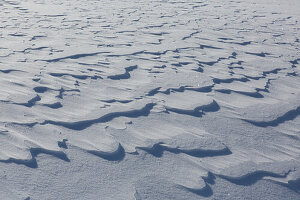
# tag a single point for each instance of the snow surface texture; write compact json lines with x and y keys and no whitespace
{"x":164,"y":99}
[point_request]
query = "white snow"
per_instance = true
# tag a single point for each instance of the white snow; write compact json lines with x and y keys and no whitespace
{"x":153,"y":99}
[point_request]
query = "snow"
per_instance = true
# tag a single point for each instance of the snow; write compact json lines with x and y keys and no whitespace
{"x":153,"y":99}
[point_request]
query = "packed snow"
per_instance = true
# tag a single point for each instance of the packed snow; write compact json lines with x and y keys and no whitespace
{"x":149,"y":99}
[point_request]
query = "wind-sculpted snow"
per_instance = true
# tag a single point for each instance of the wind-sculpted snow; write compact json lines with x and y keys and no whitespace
{"x":192,"y":146}
{"x":80,"y":125}
{"x":149,"y":99}
{"x":290,"y":115}
{"x":34,"y":152}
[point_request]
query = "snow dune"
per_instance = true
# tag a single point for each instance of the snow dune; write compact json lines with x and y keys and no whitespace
{"x":149,"y":99}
